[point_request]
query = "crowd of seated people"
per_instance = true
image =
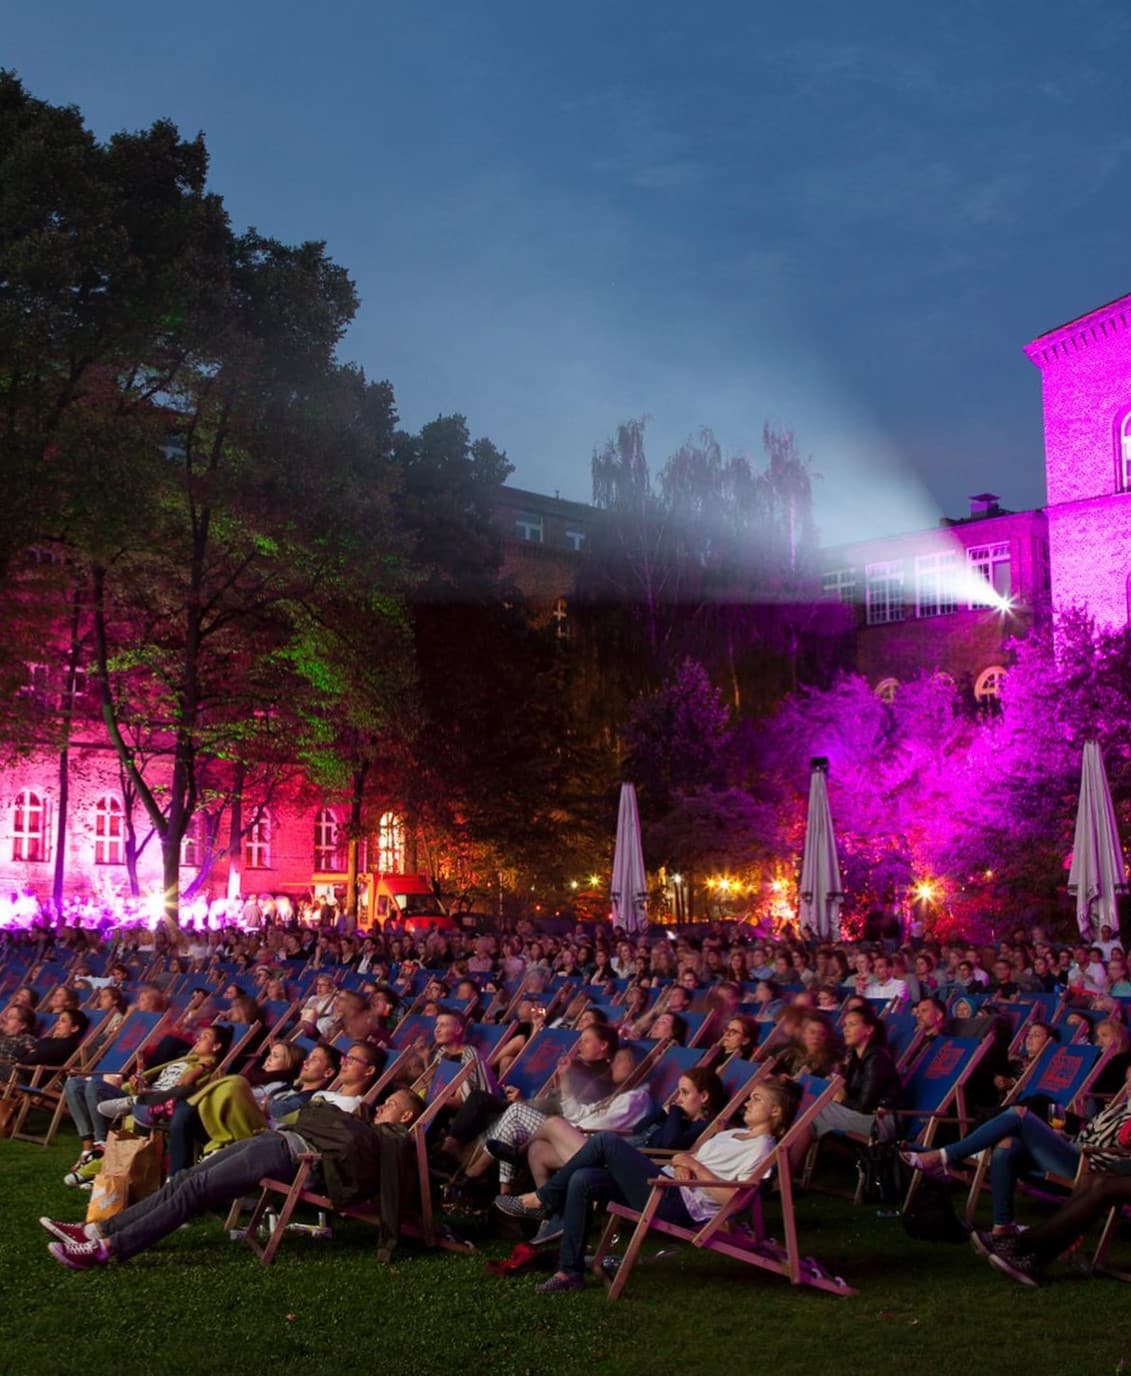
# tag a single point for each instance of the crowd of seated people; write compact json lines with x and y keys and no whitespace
{"x":793,"y":1007}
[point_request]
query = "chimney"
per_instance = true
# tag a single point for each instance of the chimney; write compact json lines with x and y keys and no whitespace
{"x":984,"y":504}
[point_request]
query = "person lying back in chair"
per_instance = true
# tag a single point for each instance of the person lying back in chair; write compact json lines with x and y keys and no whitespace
{"x":352,"y":1154}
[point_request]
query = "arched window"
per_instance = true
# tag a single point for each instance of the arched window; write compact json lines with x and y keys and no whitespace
{"x":29,"y":827}
{"x":886,"y":689}
{"x":987,"y":686}
{"x":325,"y":840}
{"x":257,"y":844}
{"x":1124,"y":456}
{"x":390,"y":843}
{"x":190,"y":844}
{"x":109,"y":832}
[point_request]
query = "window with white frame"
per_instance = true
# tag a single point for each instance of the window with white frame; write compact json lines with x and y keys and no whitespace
{"x":886,"y":689}
{"x":528,"y":526}
{"x":987,"y":686}
{"x":109,"y":832}
{"x":935,"y":579}
{"x":839,"y":584}
{"x":991,"y":564}
{"x":257,"y":844}
{"x":390,"y":843}
{"x":29,"y":827}
{"x":883,"y":585}
{"x":1125,"y":453}
{"x":575,"y":538}
{"x":325,"y":840}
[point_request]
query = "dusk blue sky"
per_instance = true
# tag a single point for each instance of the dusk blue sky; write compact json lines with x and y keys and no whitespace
{"x":846,"y":219}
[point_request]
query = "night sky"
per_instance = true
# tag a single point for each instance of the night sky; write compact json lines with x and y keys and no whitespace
{"x":844,"y":219}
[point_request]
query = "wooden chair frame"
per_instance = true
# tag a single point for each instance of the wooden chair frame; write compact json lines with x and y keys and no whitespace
{"x":725,"y":1233}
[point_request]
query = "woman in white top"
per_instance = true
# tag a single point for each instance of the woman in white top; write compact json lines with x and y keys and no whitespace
{"x":608,"y":1167}
{"x":509,"y":1138}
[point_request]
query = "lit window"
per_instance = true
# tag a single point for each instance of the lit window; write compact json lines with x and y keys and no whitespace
{"x":109,"y":829}
{"x":73,"y":696}
{"x":190,"y":845}
{"x":1125,"y":454}
{"x":390,"y":843}
{"x":561,"y":619}
{"x":29,"y":827}
{"x":991,"y":564}
{"x":886,"y":689}
{"x":528,"y":527}
{"x":325,"y":840}
{"x":987,"y":686}
{"x":257,"y":844}
{"x":934,"y":583}
{"x":36,"y":686}
{"x":575,"y":538}
{"x":884,"y":587}
{"x":839,"y":584}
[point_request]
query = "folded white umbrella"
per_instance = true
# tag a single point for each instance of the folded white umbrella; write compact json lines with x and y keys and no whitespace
{"x":820,"y":889}
{"x":1097,"y":874}
{"x":629,"y":888}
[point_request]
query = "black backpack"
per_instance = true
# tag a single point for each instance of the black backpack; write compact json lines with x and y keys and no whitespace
{"x":930,"y":1216}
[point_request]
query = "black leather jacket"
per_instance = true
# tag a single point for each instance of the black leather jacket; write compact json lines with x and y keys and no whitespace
{"x":871,"y":1080}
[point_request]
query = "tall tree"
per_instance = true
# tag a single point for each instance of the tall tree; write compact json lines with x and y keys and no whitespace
{"x":173,"y":401}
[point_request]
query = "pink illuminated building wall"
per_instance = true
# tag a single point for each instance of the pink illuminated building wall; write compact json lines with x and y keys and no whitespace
{"x":1086,"y":388}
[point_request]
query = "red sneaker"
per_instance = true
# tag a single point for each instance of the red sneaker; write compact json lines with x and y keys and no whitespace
{"x":65,"y":1232}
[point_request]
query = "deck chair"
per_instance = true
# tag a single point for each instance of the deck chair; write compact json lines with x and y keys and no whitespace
{"x":903,"y":1038}
{"x":672,"y":1062}
{"x":728,"y":1232}
{"x":39,"y":1085}
{"x":489,"y":1038}
{"x":935,"y":1088}
{"x":242,"y":1034}
{"x":1063,"y":1074}
{"x":532,"y":1069}
{"x":933,"y":1092}
{"x":699,"y":1028}
{"x":446,"y":1082}
{"x":116,"y":1059}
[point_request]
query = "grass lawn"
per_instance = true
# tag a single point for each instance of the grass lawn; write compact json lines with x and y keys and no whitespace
{"x":200,"y":1303}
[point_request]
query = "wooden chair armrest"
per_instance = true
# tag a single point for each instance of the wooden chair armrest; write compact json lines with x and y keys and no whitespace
{"x":665,"y":1182}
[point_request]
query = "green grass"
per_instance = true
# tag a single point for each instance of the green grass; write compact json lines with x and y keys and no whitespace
{"x":200,"y":1304}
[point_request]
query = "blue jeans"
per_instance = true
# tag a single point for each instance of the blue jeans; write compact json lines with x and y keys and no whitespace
{"x":1033,"y":1146}
{"x":606,"y":1167}
{"x":211,"y":1184}
{"x":83,"y":1094}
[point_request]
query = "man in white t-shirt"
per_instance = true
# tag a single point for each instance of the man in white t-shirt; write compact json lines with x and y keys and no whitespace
{"x":883,"y":984}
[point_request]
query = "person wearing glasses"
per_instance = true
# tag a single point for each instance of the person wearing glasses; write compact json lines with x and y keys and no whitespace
{"x":361,"y":1065}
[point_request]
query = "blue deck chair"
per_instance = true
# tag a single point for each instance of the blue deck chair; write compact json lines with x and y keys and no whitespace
{"x":410,"y":1028}
{"x":488,"y":1038}
{"x":672,"y":1062}
{"x":1062,"y":1073}
{"x":534,"y":1066}
{"x":902,"y":1033}
{"x":117,"y":1058}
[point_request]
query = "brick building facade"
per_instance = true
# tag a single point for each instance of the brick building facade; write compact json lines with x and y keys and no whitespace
{"x":1085,"y":371}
